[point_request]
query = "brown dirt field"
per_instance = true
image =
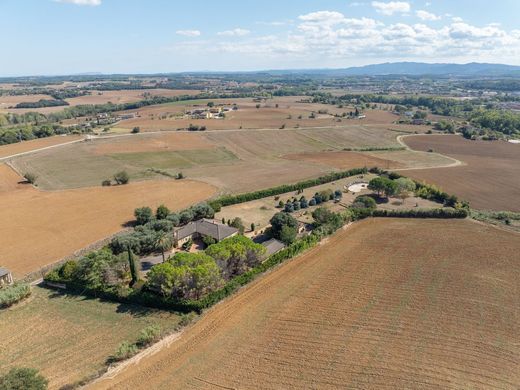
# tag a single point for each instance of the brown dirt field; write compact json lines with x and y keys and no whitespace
{"x":249,"y":117}
{"x":8,"y":101}
{"x":152,"y":143}
{"x":126,"y":96}
{"x":489,"y":180}
{"x":27,"y":146}
{"x":57,"y":223}
{"x":344,"y":160}
{"x":380,"y":305}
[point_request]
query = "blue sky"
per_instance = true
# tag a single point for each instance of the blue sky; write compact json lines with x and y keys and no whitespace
{"x":138,"y":36}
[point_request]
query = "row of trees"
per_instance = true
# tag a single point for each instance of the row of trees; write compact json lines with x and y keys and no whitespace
{"x":228,"y":200}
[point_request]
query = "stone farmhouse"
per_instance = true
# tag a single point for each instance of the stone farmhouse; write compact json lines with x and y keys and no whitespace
{"x":202,"y":228}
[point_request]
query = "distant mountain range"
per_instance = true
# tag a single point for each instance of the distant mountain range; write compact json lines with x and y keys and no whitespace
{"x":415,"y":69}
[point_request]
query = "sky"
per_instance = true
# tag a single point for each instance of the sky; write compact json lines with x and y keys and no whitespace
{"x":53,"y":37}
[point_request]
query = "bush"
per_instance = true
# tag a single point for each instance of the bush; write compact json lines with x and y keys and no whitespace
{"x":143,"y":215}
{"x":23,"y":379}
{"x":106,"y":183}
{"x":162,"y":212}
{"x":148,"y":335}
{"x":124,"y":351}
{"x":122,"y":177}
{"x":136,"y":130}
{"x":364,"y":202}
{"x":12,"y":294}
{"x":30,"y":177}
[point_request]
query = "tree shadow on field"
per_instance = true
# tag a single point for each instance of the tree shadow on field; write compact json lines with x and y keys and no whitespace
{"x":121,"y":308}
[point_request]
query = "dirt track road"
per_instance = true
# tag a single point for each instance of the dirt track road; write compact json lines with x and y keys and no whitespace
{"x":380,"y":305}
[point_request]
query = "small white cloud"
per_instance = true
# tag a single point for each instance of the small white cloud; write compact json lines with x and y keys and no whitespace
{"x":80,"y":2}
{"x":236,"y":32}
{"x":392,"y":7}
{"x":425,"y":15}
{"x":188,"y":33}
{"x":456,"y":19}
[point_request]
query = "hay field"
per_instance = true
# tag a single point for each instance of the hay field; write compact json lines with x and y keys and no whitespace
{"x":7,"y":101}
{"x":379,"y":305}
{"x":490,"y":178}
{"x":69,"y":338}
{"x":41,"y":227}
{"x":27,"y":146}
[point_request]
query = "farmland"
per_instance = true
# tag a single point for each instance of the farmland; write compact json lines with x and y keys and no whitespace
{"x":216,"y":156}
{"x":70,"y":338}
{"x":57,"y":223}
{"x":362,"y":310}
{"x":489,"y":178}
{"x":27,"y":146}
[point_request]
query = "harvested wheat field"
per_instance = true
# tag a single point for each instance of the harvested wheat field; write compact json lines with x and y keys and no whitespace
{"x":41,"y":227}
{"x":27,"y":146}
{"x":490,"y":178}
{"x":384,"y":304}
{"x":151,"y":143}
{"x":126,"y":96}
{"x":344,"y":160}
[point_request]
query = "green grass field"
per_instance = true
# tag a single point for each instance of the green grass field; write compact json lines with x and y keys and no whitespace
{"x":69,"y":337}
{"x":73,"y":167}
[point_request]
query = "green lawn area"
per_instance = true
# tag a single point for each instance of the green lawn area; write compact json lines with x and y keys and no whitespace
{"x":70,"y":337}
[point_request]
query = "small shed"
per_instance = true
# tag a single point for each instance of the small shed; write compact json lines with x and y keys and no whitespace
{"x":6,"y":278}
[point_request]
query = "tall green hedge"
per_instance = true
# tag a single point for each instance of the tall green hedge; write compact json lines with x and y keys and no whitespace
{"x":228,"y":200}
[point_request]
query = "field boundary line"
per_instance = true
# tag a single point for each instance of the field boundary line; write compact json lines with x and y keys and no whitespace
{"x":455,"y":163}
{"x":40,"y":149}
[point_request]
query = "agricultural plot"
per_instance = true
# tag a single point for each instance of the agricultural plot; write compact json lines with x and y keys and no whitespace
{"x":69,"y":338}
{"x":287,"y":112}
{"x":233,"y":160}
{"x":41,"y":227}
{"x":27,"y":146}
{"x":379,"y":305}
{"x":489,"y":178}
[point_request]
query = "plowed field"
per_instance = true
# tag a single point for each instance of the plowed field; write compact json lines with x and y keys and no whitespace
{"x":490,"y":178}
{"x":385,"y":304}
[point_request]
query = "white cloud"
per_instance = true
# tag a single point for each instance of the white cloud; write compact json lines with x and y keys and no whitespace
{"x":332,"y":39}
{"x":188,"y":33}
{"x":456,"y":19}
{"x":425,"y":15}
{"x":392,"y":7}
{"x":236,"y":32}
{"x":80,"y":2}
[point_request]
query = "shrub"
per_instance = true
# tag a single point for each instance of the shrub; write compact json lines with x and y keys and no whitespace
{"x":106,"y":183}
{"x":148,"y":335}
{"x":136,"y":130}
{"x":12,"y":294}
{"x":30,"y":177}
{"x":364,"y":202}
{"x":122,"y":177}
{"x":143,"y":215}
{"x":124,"y":351}
{"x":445,"y":213}
{"x":162,"y":212}
{"x":23,"y":379}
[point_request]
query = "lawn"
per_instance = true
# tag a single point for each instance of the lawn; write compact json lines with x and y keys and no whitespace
{"x":69,"y":337}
